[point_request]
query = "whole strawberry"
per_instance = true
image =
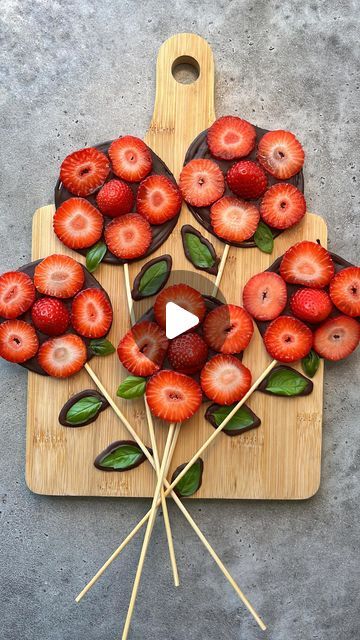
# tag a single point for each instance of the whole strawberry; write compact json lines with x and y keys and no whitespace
{"x":247,"y":179}
{"x":50,"y":316}
{"x":311,"y":305}
{"x":187,"y":353}
{"x":115,"y":198}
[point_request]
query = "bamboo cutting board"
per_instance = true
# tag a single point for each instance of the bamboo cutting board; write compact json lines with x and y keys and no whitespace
{"x":279,"y":460}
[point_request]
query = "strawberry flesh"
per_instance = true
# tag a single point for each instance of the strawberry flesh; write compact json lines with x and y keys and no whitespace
{"x":281,"y":154}
{"x":337,"y":338}
{"x":91,"y":313}
{"x":84,"y":171}
{"x":265,"y":296}
{"x":17,"y":293}
{"x":282,"y":206}
{"x":201,"y":182}
{"x":173,"y":396}
{"x":128,"y":236}
{"x":224,"y":379}
{"x":59,"y":276}
{"x":234,"y":220}
{"x":182,"y":295}
{"x":158,"y":199}
{"x":345,"y":291}
{"x":131,"y":158}
{"x":63,"y":356}
{"x":228,"y":329}
{"x":142,"y":350}
{"x":77,"y":223}
{"x":287,"y":339}
{"x":18,"y":341}
{"x":231,"y":137}
{"x":307,"y":263}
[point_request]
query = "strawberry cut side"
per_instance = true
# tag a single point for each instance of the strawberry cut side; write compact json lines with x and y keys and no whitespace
{"x":18,"y":341}
{"x":224,"y":379}
{"x":265,"y":296}
{"x":182,"y":295}
{"x":158,"y":199}
{"x":228,"y":329}
{"x":337,"y":338}
{"x":91,"y":313}
{"x":307,"y":263}
{"x":84,"y":171}
{"x":345,"y":291}
{"x":281,"y":154}
{"x":231,"y":137}
{"x":287,"y":339}
{"x":130,"y":158}
{"x":59,"y":276}
{"x":201,"y":182}
{"x":128,"y":236}
{"x":17,"y":293}
{"x":142,"y":350}
{"x":63,"y":356}
{"x":173,"y":396}
{"x":282,"y":206}
{"x":234,"y":220}
{"x":77,"y":223}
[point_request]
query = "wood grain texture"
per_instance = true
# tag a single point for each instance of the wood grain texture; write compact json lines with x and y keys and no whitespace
{"x":279,"y":460}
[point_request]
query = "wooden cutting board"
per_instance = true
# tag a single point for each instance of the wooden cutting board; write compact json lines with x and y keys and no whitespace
{"x":279,"y":460}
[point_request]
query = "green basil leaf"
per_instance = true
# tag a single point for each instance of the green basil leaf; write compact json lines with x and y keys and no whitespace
{"x":199,"y":253}
{"x":310,"y":363}
{"x":102,"y":347}
{"x":191,"y":481}
{"x":286,"y":382}
{"x":241,"y":420}
{"x":120,"y":456}
{"x":83,"y":410}
{"x":132,"y":387}
{"x":153,"y":278}
{"x":95,"y":255}
{"x":263,"y":238}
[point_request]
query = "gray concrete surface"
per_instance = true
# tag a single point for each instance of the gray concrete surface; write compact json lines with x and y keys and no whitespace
{"x":74,"y":73}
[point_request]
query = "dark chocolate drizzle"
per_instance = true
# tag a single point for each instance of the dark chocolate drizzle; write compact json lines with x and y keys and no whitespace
{"x":187,"y":228}
{"x":135,"y":293}
{"x":74,"y":399}
{"x":308,"y":389}
{"x":209,"y":416}
{"x":112,"y":447}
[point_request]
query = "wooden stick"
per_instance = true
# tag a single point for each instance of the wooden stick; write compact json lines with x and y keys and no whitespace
{"x":128,"y":294}
{"x":221,"y":269}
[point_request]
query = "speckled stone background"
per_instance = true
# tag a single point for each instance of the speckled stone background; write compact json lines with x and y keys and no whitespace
{"x":75,"y":73}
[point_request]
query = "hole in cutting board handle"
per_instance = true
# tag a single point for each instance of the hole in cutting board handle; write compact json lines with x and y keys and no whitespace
{"x":185,"y":70}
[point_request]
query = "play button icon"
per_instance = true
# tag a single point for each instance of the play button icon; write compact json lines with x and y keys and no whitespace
{"x":178,"y":320}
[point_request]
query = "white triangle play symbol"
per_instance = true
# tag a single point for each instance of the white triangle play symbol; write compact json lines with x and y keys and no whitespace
{"x":178,"y":320}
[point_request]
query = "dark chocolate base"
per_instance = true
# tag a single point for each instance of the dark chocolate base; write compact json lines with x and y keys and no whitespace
{"x":282,"y":367}
{"x":79,"y":396}
{"x":187,"y":228}
{"x":135,"y":293}
{"x":231,"y":432}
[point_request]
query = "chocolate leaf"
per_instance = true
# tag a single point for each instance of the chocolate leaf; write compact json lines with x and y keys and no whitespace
{"x":243,"y":420}
{"x":101,"y":347}
{"x":199,"y":253}
{"x":153,"y":278}
{"x":95,"y":255}
{"x":191,"y":481}
{"x":263,"y":238}
{"x":120,"y":456}
{"x":132,"y":387}
{"x":286,"y":382}
{"x":83,"y":410}
{"x":310,"y":363}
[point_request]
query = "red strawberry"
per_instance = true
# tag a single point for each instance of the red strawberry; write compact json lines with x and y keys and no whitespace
{"x":287,"y":339}
{"x":158,"y":199}
{"x":115,"y":198}
{"x":311,"y":305}
{"x":18,"y":341}
{"x":281,"y":154}
{"x":228,"y":329}
{"x":131,"y":158}
{"x":337,"y":338}
{"x":265,"y":296}
{"x":182,"y":295}
{"x":231,"y":137}
{"x":77,"y":223}
{"x":187,"y":353}
{"x":224,"y":379}
{"x":84,"y":171}
{"x":172,"y":396}
{"x":17,"y":293}
{"x":247,"y":179}
{"x":345,"y":291}
{"x":201,"y":182}
{"x":307,"y":263}
{"x":128,"y":236}
{"x":282,"y":206}
{"x":50,"y":316}
{"x":233,"y":219}
{"x":91,"y":313}
{"x":63,"y":356}
{"x":142,"y":350}
{"x":59,"y":276}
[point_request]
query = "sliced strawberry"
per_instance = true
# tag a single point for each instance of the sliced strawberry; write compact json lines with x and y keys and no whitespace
{"x":265,"y":296}
{"x":287,"y":339}
{"x":281,"y":154}
{"x":282,"y":206}
{"x":91,"y":313}
{"x":228,"y":329}
{"x":18,"y":341}
{"x":63,"y":356}
{"x":182,"y":295}
{"x":345,"y":291}
{"x":187,"y":353}
{"x":172,"y":396}
{"x":337,"y":338}
{"x":142,"y":350}
{"x":233,"y":219}
{"x":311,"y":305}
{"x":201,"y":182}
{"x":158,"y":199}
{"x":77,"y":223}
{"x":59,"y":276}
{"x":224,"y":379}
{"x":130,"y":158}
{"x":115,"y":198}
{"x":307,"y":263}
{"x":17,"y":293}
{"x":247,"y":179}
{"x":50,"y":316}
{"x":128,"y":236}
{"x":231,"y":137}
{"x":84,"y":171}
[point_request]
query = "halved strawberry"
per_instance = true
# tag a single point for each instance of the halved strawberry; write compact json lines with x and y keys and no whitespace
{"x":282,"y":206}
{"x":130,"y":158}
{"x":91,"y":313}
{"x":187,"y":353}
{"x":182,"y":295}
{"x":59,"y":276}
{"x":224,"y":379}
{"x":311,"y":305}
{"x":18,"y":341}
{"x":17,"y":293}
{"x":281,"y":154}
{"x":307,"y":263}
{"x":173,"y":396}
{"x":128,"y":236}
{"x":142,"y":350}
{"x":345,"y":291}
{"x":337,"y":338}
{"x":50,"y":316}
{"x":265,"y":296}
{"x":233,"y":219}
{"x":201,"y":182}
{"x":287,"y":339}
{"x":77,"y":223}
{"x":231,"y":137}
{"x":84,"y":171}
{"x":228,"y":329}
{"x":247,"y":179}
{"x":63,"y":356}
{"x":158,"y":199}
